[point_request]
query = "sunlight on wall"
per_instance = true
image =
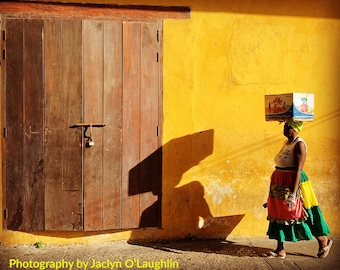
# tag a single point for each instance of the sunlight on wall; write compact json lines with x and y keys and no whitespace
{"x":217,"y":68}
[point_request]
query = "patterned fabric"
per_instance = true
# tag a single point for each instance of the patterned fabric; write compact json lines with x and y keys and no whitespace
{"x":280,"y":186}
{"x":305,"y":221}
{"x":297,"y":126}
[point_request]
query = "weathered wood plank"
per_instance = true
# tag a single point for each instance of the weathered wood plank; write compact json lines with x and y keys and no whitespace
{"x":113,"y":119}
{"x":131,"y":123}
{"x":33,"y":126}
{"x":93,"y":112}
{"x":63,"y":193}
{"x":160,"y":122}
{"x":72,"y":113}
{"x":3,"y":124}
{"x":107,"y":12}
{"x":54,"y":124}
{"x":149,"y":155}
{"x":14,"y":122}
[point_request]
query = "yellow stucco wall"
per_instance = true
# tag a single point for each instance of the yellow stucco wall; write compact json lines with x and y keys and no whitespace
{"x":217,"y":147}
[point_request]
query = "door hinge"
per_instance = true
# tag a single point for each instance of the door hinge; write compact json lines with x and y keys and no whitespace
{"x":157,"y":131}
{"x":5,"y":213}
{"x":3,"y":37}
{"x":5,"y":132}
{"x":157,"y":37}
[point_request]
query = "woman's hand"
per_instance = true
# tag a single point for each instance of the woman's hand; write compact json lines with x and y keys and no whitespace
{"x":291,"y":201}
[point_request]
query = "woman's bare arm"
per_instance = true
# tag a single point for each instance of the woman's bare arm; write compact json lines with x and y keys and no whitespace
{"x":300,"y":158}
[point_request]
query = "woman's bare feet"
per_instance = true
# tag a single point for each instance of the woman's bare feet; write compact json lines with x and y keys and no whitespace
{"x":281,"y":254}
{"x":276,"y":254}
{"x":324,"y":249}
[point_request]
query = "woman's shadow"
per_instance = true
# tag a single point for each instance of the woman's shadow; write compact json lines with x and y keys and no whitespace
{"x":185,"y":210}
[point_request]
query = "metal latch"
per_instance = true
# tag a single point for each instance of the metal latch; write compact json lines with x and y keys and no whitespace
{"x":86,"y":126}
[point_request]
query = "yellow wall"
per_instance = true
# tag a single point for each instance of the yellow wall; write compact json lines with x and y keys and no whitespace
{"x":217,"y":148}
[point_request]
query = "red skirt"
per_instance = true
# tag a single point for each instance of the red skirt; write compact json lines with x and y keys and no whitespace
{"x":280,"y":186}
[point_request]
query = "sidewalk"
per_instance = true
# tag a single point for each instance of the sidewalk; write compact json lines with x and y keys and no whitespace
{"x":301,"y":255}
{"x":183,"y":254}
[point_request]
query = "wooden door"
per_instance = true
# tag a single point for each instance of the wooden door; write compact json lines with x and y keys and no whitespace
{"x":63,"y":72}
{"x":24,"y":97}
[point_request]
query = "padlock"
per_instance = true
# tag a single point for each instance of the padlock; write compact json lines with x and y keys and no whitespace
{"x":89,"y":142}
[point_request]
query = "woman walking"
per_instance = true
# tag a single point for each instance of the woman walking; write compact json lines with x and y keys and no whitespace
{"x":293,"y":210}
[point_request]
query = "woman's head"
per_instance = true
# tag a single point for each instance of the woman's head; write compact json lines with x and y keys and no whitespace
{"x":292,"y":127}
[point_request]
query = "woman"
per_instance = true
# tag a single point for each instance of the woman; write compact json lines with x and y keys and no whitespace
{"x":293,"y":210}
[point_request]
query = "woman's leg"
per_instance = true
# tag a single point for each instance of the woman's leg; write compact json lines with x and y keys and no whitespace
{"x":323,"y":241}
{"x":325,"y":245}
{"x":280,"y":251}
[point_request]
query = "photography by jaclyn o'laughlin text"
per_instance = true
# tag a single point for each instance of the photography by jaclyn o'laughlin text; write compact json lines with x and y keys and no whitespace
{"x":94,"y":264}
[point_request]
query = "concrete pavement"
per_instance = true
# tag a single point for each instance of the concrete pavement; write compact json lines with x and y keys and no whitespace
{"x":182,"y":254}
{"x":301,"y":255}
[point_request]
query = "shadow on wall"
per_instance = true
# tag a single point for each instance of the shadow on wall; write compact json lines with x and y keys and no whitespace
{"x":181,"y":209}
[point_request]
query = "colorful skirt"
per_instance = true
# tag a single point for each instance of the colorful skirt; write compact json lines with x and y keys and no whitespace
{"x":305,"y":221}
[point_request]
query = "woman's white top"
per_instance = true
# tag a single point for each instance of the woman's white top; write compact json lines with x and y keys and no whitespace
{"x":285,"y":158}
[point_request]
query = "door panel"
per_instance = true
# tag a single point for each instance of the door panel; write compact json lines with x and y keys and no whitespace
{"x":54,"y":126}
{"x":103,"y":104}
{"x":14,"y":116}
{"x":131,"y":123}
{"x":72,"y":113}
{"x":63,"y":72}
{"x":24,"y":150}
{"x":93,"y":113}
{"x":117,"y":101}
{"x":33,"y":125}
{"x":63,"y":150}
{"x":112,"y":133}
{"x":149,"y":189}
{"x":141,"y":166}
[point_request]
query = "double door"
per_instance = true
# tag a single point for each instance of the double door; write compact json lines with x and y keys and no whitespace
{"x":64,"y":81}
